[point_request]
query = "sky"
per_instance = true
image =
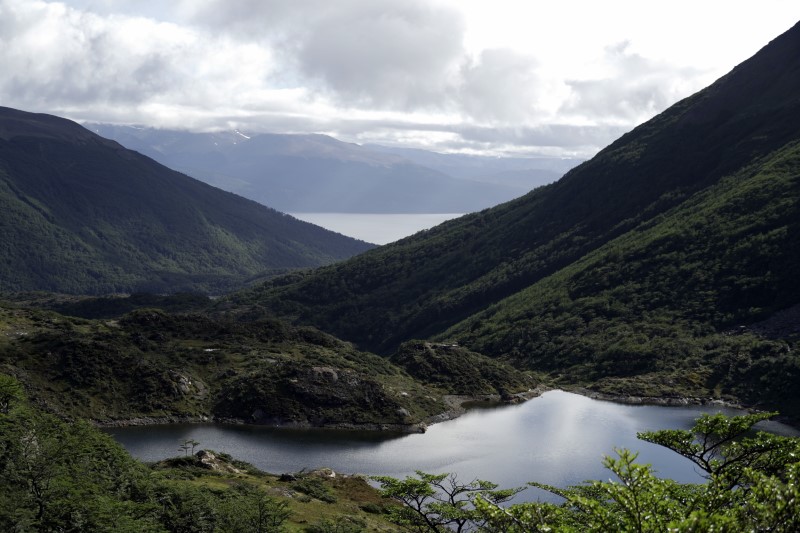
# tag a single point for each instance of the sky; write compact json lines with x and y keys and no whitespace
{"x":497,"y":77}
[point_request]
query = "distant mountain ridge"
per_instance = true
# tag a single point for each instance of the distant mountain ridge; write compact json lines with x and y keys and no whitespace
{"x":82,"y":214}
{"x":526,"y":172}
{"x":628,"y":273}
{"x":317,"y":173}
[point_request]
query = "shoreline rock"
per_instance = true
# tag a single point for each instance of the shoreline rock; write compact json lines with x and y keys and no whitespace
{"x":681,"y":401}
{"x":458,"y":404}
{"x":665,"y":401}
{"x":455,"y":403}
{"x":418,"y":427}
{"x":152,"y":421}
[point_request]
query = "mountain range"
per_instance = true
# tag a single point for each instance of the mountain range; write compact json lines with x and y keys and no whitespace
{"x":81,"y":214}
{"x":298,"y":173}
{"x":662,"y":266}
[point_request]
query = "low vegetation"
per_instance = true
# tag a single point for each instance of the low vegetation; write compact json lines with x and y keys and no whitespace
{"x":152,"y":365}
{"x":60,"y":476}
{"x":459,"y":371}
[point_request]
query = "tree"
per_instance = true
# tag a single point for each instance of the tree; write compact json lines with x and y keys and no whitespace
{"x":725,"y":448}
{"x":439,"y":502}
{"x":752,"y":485}
{"x":250,"y":509}
{"x":10,"y":393}
{"x":68,"y":477}
{"x":188,"y":446}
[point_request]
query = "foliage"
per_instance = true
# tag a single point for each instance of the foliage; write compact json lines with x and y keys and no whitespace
{"x":156,"y":364}
{"x":721,"y":447}
{"x":439,"y":502}
{"x":313,"y":486}
{"x":751,"y":486}
{"x":10,"y":393}
{"x":668,"y":300}
{"x":68,"y":476}
{"x":249,"y":509}
{"x":59,"y":476}
{"x":341,"y":524}
{"x":188,"y":446}
{"x":115,"y":306}
{"x":458,"y":370}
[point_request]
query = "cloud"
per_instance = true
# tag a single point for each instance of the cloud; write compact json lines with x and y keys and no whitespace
{"x":633,"y":89}
{"x":502,"y":86}
{"x":402,"y":57}
{"x":551,"y":135}
{"x":62,"y":55}
{"x":364,"y":70}
{"x":60,"y":59}
{"x":379,"y":53}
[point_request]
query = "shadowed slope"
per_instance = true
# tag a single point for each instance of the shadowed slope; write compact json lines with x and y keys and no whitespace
{"x":82,"y":214}
{"x":422,"y":285}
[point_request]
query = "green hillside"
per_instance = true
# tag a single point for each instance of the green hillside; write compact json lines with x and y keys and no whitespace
{"x":691,"y":294}
{"x":69,"y":476}
{"x":152,"y":365}
{"x":640,"y":260}
{"x":81,"y":214}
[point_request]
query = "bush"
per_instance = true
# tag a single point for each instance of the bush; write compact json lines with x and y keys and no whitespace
{"x":315,"y":488}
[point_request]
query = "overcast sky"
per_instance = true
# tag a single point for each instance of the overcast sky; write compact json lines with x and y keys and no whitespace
{"x":522,"y":77}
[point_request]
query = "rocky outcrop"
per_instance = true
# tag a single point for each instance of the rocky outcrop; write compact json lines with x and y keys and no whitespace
{"x":677,"y":401}
{"x":314,"y":396}
{"x":184,"y":385}
{"x":212,"y":461}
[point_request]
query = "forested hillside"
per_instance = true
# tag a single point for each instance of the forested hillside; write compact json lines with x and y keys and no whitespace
{"x":692,"y":295}
{"x":641,"y":260}
{"x":81,"y":214}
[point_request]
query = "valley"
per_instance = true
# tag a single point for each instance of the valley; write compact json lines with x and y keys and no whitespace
{"x":321,"y":174}
{"x":661,"y":271}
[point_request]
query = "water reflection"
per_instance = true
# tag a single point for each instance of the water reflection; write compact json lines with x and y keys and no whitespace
{"x":559,"y":438}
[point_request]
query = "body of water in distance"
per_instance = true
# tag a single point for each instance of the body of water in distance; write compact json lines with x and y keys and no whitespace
{"x":377,"y":228}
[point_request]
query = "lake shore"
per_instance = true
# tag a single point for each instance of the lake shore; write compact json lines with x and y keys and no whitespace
{"x":557,"y":439}
{"x":457,"y":405}
{"x":666,"y":401}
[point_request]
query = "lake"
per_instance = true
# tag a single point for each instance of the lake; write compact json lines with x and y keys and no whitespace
{"x":558,"y":438}
{"x":377,"y":228}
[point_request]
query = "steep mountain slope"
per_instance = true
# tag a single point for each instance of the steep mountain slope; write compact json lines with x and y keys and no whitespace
{"x":739,"y":128}
{"x":82,"y":214}
{"x":316,"y":173}
{"x":684,"y":295}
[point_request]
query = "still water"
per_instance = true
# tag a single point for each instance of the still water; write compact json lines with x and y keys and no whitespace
{"x":559,"y":439}
{"x":377,"y":228}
